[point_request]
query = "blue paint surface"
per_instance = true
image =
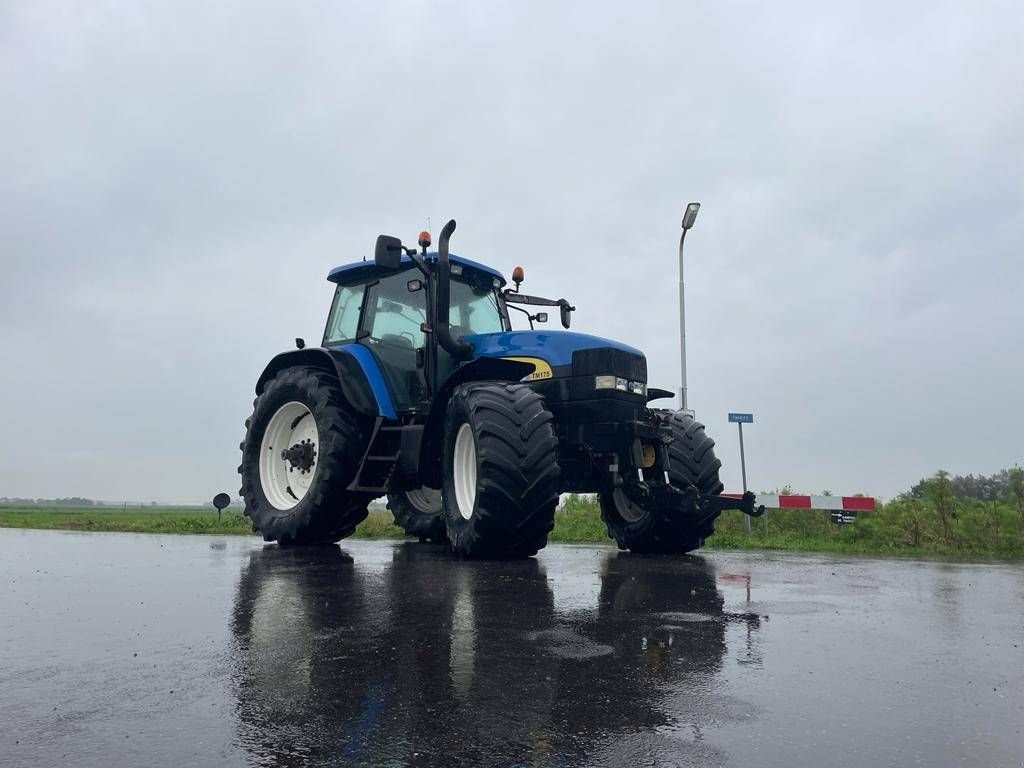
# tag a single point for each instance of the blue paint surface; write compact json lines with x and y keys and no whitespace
{"x":374,"y":376}
{"x":364,"y":270}
{"x":554,"y":346}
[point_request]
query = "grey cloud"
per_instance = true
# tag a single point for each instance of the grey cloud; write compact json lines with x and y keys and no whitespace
{"x":177,"y":180}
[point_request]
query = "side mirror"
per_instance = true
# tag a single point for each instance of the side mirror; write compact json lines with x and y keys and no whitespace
{"x":566,"y":312}
{"x":541,"y":317}
{"x":388,"y":252}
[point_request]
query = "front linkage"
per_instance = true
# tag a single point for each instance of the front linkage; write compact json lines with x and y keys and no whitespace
{"x":697,"y":508}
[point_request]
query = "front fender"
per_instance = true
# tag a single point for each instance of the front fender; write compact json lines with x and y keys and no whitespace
{"x":481,"y":369}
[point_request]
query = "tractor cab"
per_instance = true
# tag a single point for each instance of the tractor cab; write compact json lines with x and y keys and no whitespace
{"x":389,"y":310}
{"x":423,"y":314}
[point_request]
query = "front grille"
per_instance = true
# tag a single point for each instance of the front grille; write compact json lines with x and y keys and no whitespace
{"x":607,"y":360}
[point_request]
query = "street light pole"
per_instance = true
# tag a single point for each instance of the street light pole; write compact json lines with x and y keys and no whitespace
{"x":688,"y":219}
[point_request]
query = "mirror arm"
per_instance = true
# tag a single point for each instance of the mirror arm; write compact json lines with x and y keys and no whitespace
{"x":530,"y":317}
{"x":522,"y":298}
{"x":564,"y":307}
{"x":418,"y":261}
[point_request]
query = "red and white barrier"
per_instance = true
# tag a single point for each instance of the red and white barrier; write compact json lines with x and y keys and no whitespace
{"x":840,"y":503}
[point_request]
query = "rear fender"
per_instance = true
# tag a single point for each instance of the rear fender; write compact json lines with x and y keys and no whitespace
{"x":357,"y":372}
{"x":481,"y":369}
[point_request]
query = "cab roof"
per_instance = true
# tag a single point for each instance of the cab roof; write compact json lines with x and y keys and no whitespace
{"x":359,"y":271}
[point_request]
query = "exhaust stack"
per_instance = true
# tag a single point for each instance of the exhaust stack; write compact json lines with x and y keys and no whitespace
{"x":457,"y":348}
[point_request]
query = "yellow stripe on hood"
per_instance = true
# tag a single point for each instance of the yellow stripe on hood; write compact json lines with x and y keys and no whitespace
{"x":541,"y":369}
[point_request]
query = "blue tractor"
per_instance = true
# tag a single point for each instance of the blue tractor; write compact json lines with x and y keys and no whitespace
{"x":421,"y":391}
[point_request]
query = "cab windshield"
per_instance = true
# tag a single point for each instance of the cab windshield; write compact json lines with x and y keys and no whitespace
{"x":474,"y":307}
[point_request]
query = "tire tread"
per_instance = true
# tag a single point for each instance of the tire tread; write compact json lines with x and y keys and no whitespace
{"x":329,"y":511}
{"x":517,"y":489}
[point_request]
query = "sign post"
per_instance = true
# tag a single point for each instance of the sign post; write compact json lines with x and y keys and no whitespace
{"x":740,"y":419}
{"x":220,"y":501}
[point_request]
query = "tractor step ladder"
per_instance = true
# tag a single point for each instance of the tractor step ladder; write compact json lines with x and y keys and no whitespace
{"x":380,"y":459}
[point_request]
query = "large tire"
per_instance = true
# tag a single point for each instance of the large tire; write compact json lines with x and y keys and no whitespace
{"x":324,"y":511}
{"x":692,"y":461}
{"x":500,"y":493}
{"x":419,"y":513}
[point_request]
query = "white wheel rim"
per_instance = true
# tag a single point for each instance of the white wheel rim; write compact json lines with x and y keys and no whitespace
{"x":426,"y":500}
{"x":286,"y":479}
{"x":464,"y":471}
{"x":627,"y":510}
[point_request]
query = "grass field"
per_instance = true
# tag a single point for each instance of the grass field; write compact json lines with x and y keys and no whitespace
{"x":133,"y":520}
{"x":902,"y":527}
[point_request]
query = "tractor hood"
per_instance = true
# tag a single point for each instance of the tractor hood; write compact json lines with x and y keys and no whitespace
{"x":559,"y":348}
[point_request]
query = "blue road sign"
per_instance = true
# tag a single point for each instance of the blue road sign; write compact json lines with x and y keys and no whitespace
{"x":741,"y":418}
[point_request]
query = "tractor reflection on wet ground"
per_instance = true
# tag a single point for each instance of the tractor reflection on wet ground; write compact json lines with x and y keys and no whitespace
{"x":127,"y":650}
{"x":443,"y":661}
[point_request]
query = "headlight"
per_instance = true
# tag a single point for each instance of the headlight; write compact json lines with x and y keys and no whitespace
{"x":609,"y":382}
{"x":623,"y":385}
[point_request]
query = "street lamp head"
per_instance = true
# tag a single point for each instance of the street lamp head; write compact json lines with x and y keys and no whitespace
{"x":691,"y":215}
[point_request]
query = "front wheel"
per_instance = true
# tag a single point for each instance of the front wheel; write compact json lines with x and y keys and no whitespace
{"x":500,"y":471}
{"x":301,"y":449}
{"x":692,"y":461}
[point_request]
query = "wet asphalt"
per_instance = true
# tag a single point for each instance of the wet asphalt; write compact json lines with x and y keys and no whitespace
{"x":132,"y":650}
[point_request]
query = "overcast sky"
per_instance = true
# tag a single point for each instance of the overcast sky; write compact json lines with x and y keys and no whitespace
{"x":176,"y":180}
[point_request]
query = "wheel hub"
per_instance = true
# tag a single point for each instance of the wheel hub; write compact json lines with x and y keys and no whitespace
{"x":289,"y":455}
{"x":425,"y":500}
{"x":464,"y":471}
{"x":300,"y":456}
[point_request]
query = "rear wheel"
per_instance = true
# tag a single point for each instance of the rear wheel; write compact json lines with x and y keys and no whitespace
{"x":692,"y":461}
{"x":419,"y":513}
{"x":500,"y":470}
{"x":301,"y":449}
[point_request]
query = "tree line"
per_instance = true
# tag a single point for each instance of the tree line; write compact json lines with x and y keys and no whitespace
{"x":996,"y":487}
{"x":67,"y":501}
